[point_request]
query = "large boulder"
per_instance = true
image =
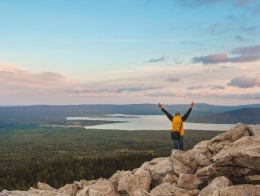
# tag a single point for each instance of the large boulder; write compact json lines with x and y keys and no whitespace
{"x":244,"y":152}
{"x":160,"y":170}
{"x":100,"y":188}
{"x":245,"y":189}
{"x":180,"y":162}
{"x":129,"y":183}
{"x":207,"y":173}
{"x":225,"y":139}
{"x":168,"y":189}
{"x":116,"y":176}
{"x":216,"y":184}
{"x":188,"y":181}
{"x":191,"y":160}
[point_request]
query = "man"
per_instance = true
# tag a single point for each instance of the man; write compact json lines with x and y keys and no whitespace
{"x":177,"y":126}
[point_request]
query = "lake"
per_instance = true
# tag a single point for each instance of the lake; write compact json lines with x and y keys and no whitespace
{"x":148,"y":122}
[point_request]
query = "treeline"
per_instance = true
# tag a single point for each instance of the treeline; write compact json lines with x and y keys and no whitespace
{"x":59,"y":172}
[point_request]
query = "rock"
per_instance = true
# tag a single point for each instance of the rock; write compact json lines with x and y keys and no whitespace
{"x":161,"y":169}
{"x":188,"y":162}
{"x":239,"y":190}
{"x":86,"y":183}
{"x":225,"y":139}
{"x":202,"y":147}
{"x":100,"y":188}
{"x":207,"y":173}
{"x":46,"y":187}
{"x":147,"y":166}
{"x":236,"y":174}
{"x":255,"y":130}
{"x":140,"y":192}
{"x":245,"y":152}
{"x":116,"y":176}
{"x":140,"y":179}
{"x":167,"y":189}
{"x":188,"y":181}
{"x":32,"y":192}
{"x":71,"y":189}
{"x":171,"y":178}
{"x":157,"y":160}
{"x":216,"y":184}
{"x":253,"y":179}
{"x":180,"y":162}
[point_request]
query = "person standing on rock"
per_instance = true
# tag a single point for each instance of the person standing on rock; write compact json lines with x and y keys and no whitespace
{"x":177,"y":132}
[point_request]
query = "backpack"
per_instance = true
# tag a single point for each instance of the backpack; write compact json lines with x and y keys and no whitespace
{"x":176,"y":127}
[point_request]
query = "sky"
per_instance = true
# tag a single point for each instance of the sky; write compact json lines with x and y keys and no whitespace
{"x":61,"y":52}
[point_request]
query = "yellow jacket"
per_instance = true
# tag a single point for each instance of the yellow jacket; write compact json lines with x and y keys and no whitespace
{"x":177,"y":125}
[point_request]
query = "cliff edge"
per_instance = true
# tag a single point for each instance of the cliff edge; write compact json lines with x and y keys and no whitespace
{"x":228,"y":164}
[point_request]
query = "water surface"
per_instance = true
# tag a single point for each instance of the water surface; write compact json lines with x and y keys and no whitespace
{"x":148,"y":122}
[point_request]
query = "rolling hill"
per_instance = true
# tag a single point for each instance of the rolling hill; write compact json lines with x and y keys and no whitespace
{"x":245,"y":115}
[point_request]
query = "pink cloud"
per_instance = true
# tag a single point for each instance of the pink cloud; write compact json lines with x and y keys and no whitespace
{"x":15,"y":77}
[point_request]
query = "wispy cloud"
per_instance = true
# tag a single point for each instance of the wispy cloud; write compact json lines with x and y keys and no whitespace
{"x":245,"y":81}
{"x":207,"y":95}
{"x":211,"y":59}
{"x":212,"y":87}
{"x":156,"y":60}
{"x":244,"y":54}
{"x":239,"y":38}
{"x":174,"y":79}
{"x":15,"y":77}
{"x":116,"y":89}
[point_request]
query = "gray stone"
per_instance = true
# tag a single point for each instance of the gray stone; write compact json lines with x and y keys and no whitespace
{"x":245,"y":152}
{"x":188,"y":181}
{"x":216,"y":184}
{"x":225,"y":139}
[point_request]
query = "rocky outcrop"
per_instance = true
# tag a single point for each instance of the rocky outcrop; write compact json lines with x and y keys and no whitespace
{"x":228,"y":164}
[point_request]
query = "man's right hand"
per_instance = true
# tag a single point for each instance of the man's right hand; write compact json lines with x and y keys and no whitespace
{"x":192,"y":104}
{"x":160,"y":105}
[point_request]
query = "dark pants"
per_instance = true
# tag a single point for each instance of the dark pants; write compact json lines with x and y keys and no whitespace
{"x":178,"y":144}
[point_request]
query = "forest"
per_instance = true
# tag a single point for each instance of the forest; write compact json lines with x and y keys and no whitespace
{"x":58,"y":156}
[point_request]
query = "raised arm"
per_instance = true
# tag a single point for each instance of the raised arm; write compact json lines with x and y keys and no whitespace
{"x":170,"y":117}
{"x":188,"y":112}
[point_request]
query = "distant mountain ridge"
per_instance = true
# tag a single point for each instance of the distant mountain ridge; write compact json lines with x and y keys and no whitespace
{"x":244,"y":115}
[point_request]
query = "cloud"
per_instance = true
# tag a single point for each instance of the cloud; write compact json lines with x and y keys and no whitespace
{"x":156,"y":60}
{"x":244,"y":54}
{"x":212,"y":87}
{"x":211,"y":59}
{"x":114,"y":89}
{"x":195,"y":87}
{"x":174,"y":79}
{"x":11,"y":76}
{"x":206,"y":95}
{"x":247,"y":51}
{"x":239,"y":38}
{"x":245,"y":81}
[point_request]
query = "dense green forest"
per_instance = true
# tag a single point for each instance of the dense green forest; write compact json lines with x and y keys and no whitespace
{"x":61,"y":155}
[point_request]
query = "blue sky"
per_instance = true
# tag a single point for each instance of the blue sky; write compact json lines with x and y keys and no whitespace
{"x":122,"y":51}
